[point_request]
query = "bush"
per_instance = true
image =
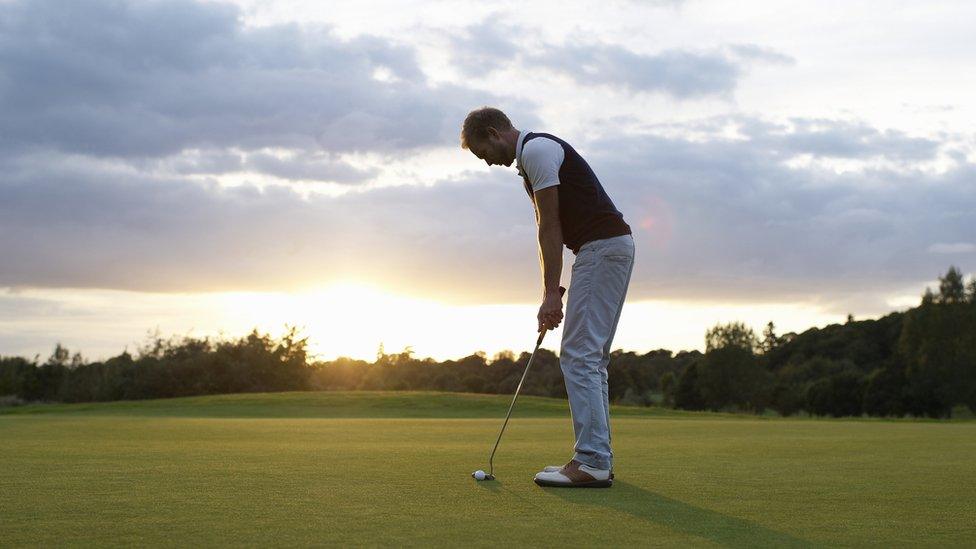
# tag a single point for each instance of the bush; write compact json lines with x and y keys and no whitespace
{"x":838,"y":395}
{"x":884,"y":393}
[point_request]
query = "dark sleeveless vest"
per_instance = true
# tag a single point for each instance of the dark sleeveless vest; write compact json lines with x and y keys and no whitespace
{"x":585,"y":210}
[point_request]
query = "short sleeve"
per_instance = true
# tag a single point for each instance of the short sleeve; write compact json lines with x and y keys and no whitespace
{"x":541,"y":160}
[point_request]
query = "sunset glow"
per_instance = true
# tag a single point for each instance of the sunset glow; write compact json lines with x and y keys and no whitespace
{"x":352,"y":319}
{"x":297,"y":163}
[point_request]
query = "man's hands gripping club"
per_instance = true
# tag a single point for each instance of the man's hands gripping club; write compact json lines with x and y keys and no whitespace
{"x":551,"y":311}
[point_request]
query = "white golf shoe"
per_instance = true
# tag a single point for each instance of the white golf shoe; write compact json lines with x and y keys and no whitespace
{"x":554,"y":468}
{"x":575,"y":475}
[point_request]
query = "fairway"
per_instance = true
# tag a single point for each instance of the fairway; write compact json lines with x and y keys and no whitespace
{"x":394,"y":469}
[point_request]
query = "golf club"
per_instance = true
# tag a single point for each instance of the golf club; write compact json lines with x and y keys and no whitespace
{"x":490,"y":475}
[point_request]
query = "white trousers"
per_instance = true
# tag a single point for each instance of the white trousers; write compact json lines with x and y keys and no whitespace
{"x":597,"y":289}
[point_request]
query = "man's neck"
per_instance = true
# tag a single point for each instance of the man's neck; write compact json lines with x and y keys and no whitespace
{"x":511,"y":137}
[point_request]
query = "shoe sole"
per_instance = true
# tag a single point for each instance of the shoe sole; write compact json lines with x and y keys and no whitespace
{"x":548,"y":470}
{"x":592,"y":484}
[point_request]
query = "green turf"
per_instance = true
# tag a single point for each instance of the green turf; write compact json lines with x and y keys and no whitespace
{"x":212,"y":471}
{"x":359,"y":404}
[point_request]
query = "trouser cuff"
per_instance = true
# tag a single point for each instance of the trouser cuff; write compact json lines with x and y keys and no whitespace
{"x":592,"y":461}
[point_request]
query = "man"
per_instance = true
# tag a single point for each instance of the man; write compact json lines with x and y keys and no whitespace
{"x":571,"y":208}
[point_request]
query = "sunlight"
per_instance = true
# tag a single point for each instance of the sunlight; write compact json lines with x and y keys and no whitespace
{"x":352,"y":319}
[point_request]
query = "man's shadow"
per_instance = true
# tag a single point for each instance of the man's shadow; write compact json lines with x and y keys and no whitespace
{"x":679,"y":516}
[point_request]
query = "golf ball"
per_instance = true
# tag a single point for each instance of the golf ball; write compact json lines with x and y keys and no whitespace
{"x":479,"y":475}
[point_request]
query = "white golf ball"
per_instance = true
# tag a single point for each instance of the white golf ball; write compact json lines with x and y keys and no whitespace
{"x":479,"y":475}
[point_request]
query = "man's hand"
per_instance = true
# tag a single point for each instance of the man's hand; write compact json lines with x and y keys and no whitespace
{"x":551,"y":311}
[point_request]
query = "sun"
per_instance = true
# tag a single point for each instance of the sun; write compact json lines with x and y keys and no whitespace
{"x":352,"y":319}
{"x":346,"y":318}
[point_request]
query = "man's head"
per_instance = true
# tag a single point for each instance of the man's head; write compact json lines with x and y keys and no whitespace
{"x":489,"y":135}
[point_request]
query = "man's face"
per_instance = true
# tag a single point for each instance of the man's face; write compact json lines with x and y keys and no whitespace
{"x":493,"y":150}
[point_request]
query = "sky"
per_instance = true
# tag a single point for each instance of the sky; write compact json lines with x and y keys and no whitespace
{"x":204,"y":168}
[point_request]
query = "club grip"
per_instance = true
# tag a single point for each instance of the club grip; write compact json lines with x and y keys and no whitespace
{"x":542,"y":334}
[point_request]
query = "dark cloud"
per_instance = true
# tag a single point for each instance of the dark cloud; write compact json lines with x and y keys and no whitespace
{"x":115,"y":114}
{"x":817,"y":137}
{"x":485,"y":47}
{"x":492,"y":44}
{"x":715,"y":218}
{"x":90,"y":226}
{"x":842,"y":139}
{"x":678,"y":73}
{"x":151,"y":79}
{"x":729,"y":220}
{"x":314,"y":167}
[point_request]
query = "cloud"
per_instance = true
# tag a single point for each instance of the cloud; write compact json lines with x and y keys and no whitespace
{"x":152,"y":79}
{"x":678,"y":73}
{"x":715,"y":218}
{"x":952,"y":248}
{"x":66,"y":224}
{"x":845,"y":139}
{"x":761,"y":53}
{"x":485,"y":47}
{"x":119,"y":116}
{"x":303,"y":166}
{"x":730,"y":219}
{"x":493,"y":45}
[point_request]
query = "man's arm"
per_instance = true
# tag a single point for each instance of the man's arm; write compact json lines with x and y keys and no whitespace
{"x":541,"y":161}
{"x":551,"y":255}
{"x":550,"y":238}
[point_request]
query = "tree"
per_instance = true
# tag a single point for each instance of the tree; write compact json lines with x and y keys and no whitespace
{"x":686,"y":395}
{"x":770,"y":342}
{"x":787,"y":398}
{"x":503,"y":355}
{"x":951,"y":287}
{"x":926,"y":346}
{"x":884,"y":393}
{"x":732,"y":376}
{"x":734,"y":334}
{"x":838,"y":395}
{"x":668,"y":384}
{"x":59,"y":357}
{"x":18,"y":376}
{"x":730,"y":373}
{"x":938,"y":345}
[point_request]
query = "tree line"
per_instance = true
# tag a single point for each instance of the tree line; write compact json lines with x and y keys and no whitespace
{"x":921,"y":363}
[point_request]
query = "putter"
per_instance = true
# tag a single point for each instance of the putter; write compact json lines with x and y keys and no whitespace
{"x":490,"y":475}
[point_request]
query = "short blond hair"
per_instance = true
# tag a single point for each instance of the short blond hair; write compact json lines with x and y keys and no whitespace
{"x":478,"y":121}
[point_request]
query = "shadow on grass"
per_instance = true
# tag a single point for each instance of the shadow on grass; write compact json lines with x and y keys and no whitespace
{"x":490,"y":485}
{"x":680,"y":516}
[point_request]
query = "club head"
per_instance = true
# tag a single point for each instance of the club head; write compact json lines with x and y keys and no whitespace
{"x":488,"y":476}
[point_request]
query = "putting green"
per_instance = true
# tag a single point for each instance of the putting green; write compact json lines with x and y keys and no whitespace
{"x":188,"y":472}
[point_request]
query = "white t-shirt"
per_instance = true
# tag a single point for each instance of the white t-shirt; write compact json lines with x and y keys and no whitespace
{"x":540,"y":161}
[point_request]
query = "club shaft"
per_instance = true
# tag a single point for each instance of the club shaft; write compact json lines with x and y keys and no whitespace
{"x":491,"y":465}
{"x":538,"y":343}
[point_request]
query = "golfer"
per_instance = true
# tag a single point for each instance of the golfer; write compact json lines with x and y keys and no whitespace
{"x":571,"y":208}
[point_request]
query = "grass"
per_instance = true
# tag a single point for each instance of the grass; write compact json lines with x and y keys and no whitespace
{"x":337,"y":404}
{"x":393,"y":469}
